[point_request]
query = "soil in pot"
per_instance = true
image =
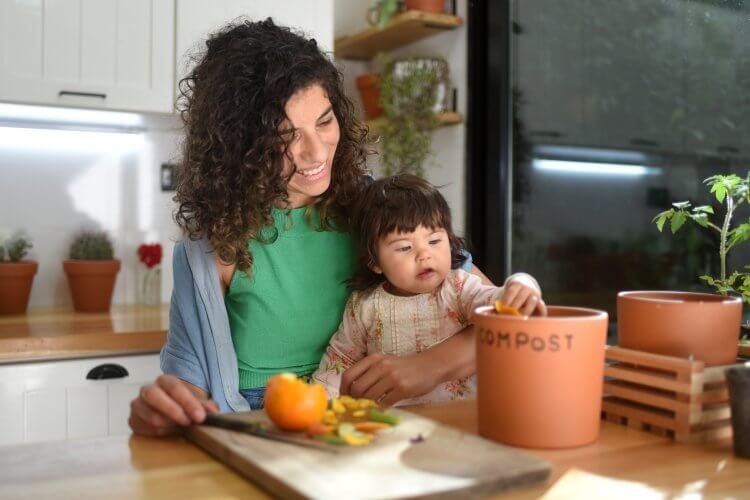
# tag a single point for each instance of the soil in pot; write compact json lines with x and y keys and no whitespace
{"x":681,"y":324}
{"x":91,"y":283}
{"x":540,"y":378}
{"x":16,"y":279}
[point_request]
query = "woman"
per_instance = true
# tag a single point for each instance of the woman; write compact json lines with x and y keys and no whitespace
{"x":273,"y":158}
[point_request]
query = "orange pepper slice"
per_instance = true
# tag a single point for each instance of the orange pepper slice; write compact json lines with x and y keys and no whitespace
{"x":501,"y":308}
{"x":370,"y":427}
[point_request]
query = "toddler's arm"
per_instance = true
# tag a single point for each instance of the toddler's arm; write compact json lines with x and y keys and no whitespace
{"x":347,"y":346}
{"x":520,"y":290}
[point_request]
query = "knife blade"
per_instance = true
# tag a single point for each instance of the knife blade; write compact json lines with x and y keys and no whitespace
{"x":257,"y":429}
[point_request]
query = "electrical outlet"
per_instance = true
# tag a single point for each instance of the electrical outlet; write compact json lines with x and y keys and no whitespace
{"x":168,"y":176}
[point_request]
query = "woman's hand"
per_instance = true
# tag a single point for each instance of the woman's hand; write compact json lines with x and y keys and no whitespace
{"x":389,"y":379}
{"x":165,"y":406}
{"x":522,"y":292}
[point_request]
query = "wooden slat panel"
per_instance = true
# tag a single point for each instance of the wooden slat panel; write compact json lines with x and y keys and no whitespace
{"x":616,"y":406}
{"x":658,"y":361}
{"x":639,"y":377}
{"x":644,"y":395}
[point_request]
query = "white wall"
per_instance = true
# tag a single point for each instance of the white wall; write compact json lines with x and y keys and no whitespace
{"x":53,"y":183}
{"x":448,"y":165}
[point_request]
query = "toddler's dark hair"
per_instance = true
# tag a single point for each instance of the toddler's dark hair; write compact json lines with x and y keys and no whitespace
{"x":397,"y":203}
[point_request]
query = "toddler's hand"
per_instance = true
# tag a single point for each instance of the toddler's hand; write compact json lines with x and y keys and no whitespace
{"x":522,"y":293}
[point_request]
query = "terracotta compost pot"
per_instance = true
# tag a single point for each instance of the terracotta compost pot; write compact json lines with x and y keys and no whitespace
{"x":437,"y":6}
{"x":540,"y":378}
{"x":680,"y":324}
{"x":369,"y":90}
{"x":16,"y":279}
{"x":91,"y":283}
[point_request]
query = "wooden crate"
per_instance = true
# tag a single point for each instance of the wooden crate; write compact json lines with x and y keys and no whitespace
{"x":674,"y":397}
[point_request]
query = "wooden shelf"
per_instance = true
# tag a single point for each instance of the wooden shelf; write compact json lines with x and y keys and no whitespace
{"x":403,"y":29}
{"x":444,"y":120}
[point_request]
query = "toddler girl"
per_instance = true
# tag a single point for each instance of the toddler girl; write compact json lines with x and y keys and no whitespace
{"x":410,"y":292}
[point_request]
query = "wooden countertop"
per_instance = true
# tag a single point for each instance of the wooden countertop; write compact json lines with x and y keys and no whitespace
{"x":138,"y":467}
{"x":55,"y":334}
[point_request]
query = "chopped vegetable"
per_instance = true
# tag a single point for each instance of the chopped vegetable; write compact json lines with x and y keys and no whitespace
{"x":370,"y":426}
{"x":319,"y":429}
{"x":501,"y":308}
{"x":330,"y":439}
{"x":337,"y":406}
{"x":376,"y":415}
{"x":348,"y":433}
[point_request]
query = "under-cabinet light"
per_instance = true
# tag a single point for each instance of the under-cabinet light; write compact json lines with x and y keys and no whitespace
{"x":77,"y":141}
{"x":593,"y":155}
{"x":26,"y":116}
{"x":592,"y":168}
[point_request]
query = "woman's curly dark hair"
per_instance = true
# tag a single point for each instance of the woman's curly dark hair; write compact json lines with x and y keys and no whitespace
{"x":232,"y":104}
{"x":397,"y":203}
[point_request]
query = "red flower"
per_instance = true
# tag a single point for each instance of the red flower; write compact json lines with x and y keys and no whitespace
{"x":150,"y":254}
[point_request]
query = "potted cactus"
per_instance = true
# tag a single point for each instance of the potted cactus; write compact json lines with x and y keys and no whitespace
{"x":91,"y":269}
{"x":16,"y":275}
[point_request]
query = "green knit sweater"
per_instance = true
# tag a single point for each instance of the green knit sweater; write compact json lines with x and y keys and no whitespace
{"x":283,"y":314}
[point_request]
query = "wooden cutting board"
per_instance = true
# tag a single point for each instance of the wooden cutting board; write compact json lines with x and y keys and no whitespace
{"x":446,"y":463}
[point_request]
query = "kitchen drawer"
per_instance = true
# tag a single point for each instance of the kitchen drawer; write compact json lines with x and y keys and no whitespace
{"x":56,"y":401}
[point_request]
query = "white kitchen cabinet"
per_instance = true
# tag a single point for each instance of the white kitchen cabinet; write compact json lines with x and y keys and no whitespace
{"x":113,"y":54}
{"x":196,"y":19}
{"x":53,"y":400}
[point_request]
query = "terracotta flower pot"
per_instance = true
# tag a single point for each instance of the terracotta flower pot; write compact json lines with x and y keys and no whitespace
{"x":369,"y":90}
{"x":680,"y":324}
{"x":91,"y":283}
{"x":437,"y":6}
{"x":16,"y":279}
{"x":540,"y":378}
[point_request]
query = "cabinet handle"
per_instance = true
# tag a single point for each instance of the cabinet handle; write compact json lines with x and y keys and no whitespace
{"x":638,"y":141}
{"x":727,"y":149}
{"x":63,"y":93}
{"x":545,"y":133}
{"x":105,"y":371}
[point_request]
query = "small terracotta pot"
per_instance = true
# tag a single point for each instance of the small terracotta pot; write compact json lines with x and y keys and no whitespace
{"x":369,"y":90}
{"x":680,"y":324}
{"x":91,"y":283}
{"x":437,"y":6}
{"x":16,"y":279}
{"x":540,"y":379}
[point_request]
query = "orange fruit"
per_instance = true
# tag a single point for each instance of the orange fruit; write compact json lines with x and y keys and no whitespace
{"x":292,"y":404}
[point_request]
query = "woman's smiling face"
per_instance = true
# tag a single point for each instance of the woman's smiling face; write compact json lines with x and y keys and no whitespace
{"x":312,"y":132}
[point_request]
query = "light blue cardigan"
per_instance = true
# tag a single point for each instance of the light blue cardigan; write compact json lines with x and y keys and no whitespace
{"x":199,"y":346}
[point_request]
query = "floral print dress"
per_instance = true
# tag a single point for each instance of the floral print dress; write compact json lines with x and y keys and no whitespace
{"x":376,"y":321}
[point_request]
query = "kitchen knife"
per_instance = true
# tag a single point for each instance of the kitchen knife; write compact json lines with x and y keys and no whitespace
{"x":259,"y":430}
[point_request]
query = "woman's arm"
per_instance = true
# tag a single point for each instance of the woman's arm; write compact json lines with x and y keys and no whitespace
{"x":168,"y":404}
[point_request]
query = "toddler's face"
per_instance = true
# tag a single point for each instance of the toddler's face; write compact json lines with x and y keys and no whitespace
{"x":415,"y":262}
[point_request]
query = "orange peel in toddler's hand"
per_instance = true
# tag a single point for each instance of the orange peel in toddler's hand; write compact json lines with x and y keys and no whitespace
{"x":501,"y":308}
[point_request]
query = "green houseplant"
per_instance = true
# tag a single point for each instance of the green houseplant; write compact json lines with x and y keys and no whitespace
{"x":411,"y":92}
{"x":16,"y":275}
{"x":700,"y":325}
{"x":731,"y":191}
{"x":91,"y":270}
